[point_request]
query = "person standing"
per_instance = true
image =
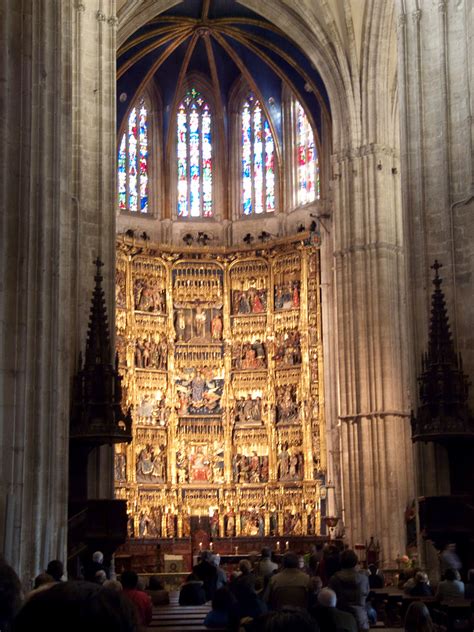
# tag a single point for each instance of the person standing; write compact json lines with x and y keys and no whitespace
{"x":449,"y":559}
{"x":206,"y":571}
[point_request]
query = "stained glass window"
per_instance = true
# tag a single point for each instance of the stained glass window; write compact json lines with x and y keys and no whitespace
{"x":258,"y":159}
{"x":133,"y":162}
{"x":307,"y":159}
{"x":194,"y":156}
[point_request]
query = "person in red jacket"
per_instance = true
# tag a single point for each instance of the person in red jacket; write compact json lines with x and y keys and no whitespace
{"x":139,"y":598}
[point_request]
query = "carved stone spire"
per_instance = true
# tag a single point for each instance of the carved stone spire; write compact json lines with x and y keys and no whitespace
{"x":440,"y":344}
{"x":97,"y":417}
{"x":443,"y":412}
{"x":98,"y":349}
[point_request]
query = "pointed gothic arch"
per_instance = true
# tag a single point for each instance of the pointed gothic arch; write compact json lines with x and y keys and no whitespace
{"x":195,"y":149}
{"x":139,"y":157}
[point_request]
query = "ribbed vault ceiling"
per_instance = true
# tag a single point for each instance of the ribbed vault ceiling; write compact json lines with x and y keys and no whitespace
{"x":223,"y":42}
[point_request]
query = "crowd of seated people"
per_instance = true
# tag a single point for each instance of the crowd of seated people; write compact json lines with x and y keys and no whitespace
{"x":324,"y":590}
{"x":339,"y":602}
{"x":263,"y":595}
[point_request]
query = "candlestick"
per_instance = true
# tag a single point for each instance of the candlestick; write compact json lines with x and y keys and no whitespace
{"x":236,"y":550}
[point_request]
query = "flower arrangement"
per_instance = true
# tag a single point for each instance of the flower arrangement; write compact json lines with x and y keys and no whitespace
{"x":403,"y":561}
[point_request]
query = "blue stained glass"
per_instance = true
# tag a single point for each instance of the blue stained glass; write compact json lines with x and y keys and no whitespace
{"x":258,"y":160}
{"x":246,"y":160}
{"x":122,"y":175}
{"x":194,"y":153}
{"x":132,"y":164}
{"x":182,"y":162}
{"x":206,"y":162}
{"x":269,"y":168}
{"x":307,"y":160}
{"x":143,"y":160}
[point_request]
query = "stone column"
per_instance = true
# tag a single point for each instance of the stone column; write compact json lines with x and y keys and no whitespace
{"x":377,"y":474}
{"x":57,"y":165}
{"x":35,"y":280}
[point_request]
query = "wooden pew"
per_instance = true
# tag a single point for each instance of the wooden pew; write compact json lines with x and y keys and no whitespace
{"x":176,"y":618}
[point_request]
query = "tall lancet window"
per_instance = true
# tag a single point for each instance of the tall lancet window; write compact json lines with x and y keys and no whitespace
{"x":258,"y":160}
{"x":194,"y":155}
{"x":307,"y":161}
{"x":133,"y":162}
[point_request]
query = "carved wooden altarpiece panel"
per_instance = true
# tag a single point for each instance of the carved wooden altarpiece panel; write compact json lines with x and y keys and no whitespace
{"x":221,"y":357}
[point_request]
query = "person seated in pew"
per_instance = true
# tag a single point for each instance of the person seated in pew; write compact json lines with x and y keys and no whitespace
{"x":43,"y":581}
{"x":421,"y":587}
{"x":409,"y":579}
{"x":287,"y":619}
{"x":315,"y":586}
{"x":139,"y":598}
{"x":76,"y":606}
{"x":469,"y":586}
{"x":11,"y":594}
{"x":288,"y":587}
{"x":248,"y":603}
{"x":352,"y":588}
{"x":265,"y":568}
{"x":223,"y":604}
{"x":159,"y":596}
{"x":417,"y":618}
{"x":376,"y":579}
{"x":451,"y":587}
{"x":246,"y":575}
{"x":192,"y":592}
{"x":330,"y":618}
{"x":221,"y":574}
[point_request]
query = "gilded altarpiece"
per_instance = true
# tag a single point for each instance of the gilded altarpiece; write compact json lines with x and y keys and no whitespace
{"x":222,"y":363}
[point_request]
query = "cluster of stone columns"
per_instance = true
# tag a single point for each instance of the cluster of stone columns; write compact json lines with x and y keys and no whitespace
{"x":57,"y":118}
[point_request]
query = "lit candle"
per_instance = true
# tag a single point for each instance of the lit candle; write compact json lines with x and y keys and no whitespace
{"x":236,"y":550}
{"x":278,"y":546}
{"x":287,"y":545}
{"x":200,"y":546}
{"x":210,"y":546}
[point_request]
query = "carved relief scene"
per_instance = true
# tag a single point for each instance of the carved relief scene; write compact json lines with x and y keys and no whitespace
{"x":151,"y":457}
{"x":151,"y":352}
{"x":287,"y":407}
{"x":248,"y":409}
{"x":149,"y":280}
{"x":198,"y":324}
{"x":290,"y":462}
{"x":199,"y":392}
{"x":250,"y":468}
{"x":249,"y":354}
